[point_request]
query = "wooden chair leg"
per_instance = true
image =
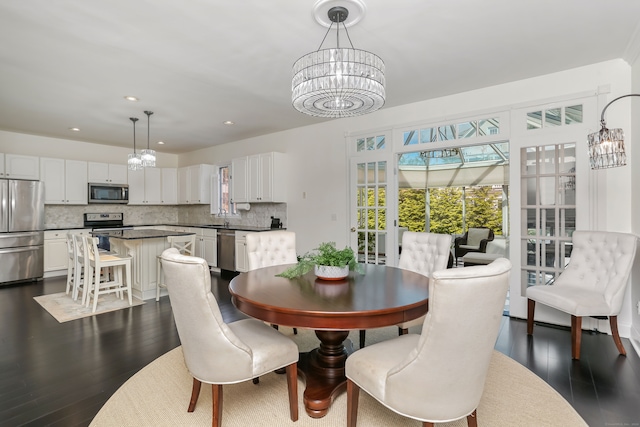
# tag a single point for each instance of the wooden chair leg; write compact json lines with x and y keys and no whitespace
{"x":363,"y":336}
{"x":472,"y":420}
{"x":576,"y":336}
{"x":292,"y":384}
{"x":195,"y":393}
{"x":295,"y":331}
{"x":531,"y":309}
{"x":353,"y":393}
{"x":402,"y":331}
{"x":613,"y":322}
{"x":427,"y":424}
{"x":216,"y":392}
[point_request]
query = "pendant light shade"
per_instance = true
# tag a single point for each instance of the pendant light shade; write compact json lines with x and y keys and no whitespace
{"x":338,"y":82}
{"x":134,"y":162}
{"x":148,"y":155}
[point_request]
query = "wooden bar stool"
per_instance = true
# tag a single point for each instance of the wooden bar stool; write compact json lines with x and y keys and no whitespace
{"x":185,"y":245}
{"x":118,"y":283}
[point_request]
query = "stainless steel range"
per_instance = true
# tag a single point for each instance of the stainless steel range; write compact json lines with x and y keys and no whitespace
{"x":112,"y":222}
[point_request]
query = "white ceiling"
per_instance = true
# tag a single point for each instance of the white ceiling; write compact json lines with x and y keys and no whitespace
{"x":197,"y":63}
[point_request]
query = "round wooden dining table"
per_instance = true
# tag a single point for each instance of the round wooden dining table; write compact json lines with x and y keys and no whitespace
{"x":376,"y":297}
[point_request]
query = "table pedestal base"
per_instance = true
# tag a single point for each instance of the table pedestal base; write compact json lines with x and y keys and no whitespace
{"x":323,"y":371}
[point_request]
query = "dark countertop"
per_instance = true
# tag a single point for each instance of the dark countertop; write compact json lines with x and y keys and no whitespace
{"x":139,"y":234}
{"x":219,"y":227}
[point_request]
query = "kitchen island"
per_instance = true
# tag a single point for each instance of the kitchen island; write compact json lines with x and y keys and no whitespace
{"x":144,"y":246}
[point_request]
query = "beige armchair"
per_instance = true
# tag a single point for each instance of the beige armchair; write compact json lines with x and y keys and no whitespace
{"x":593,"y":283}
{"x":215,"y":352}
{"x":269,"y":248}
{"x":423,"y":253}
{"x":437,"y":376}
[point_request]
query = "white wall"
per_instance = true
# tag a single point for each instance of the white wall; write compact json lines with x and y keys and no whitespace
{"x":633,"y":150}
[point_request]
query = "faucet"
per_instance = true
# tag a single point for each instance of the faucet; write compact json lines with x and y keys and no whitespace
{"x":226,"y":221}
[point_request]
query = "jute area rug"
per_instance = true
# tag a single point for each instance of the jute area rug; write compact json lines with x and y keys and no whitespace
{"x":158,"y":395}
{"x":63,"y":308}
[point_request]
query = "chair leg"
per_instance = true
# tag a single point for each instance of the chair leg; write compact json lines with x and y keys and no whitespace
{"x":363,"y":337}
{"x":613,"y":322}
{"x":292,"y":384}
{"x":427,"y":424}
{"x":402,"y":331}
{"x":472,"y":420}
{"x":256,"y":380}
{"x":531,"y":309}
{"x":195,"y":393}
{"x":353,"y":392}
{"x":216,"y":392}
{"x":295,"y":331}
{"x":158,"y":278}
{"x":576,"y":336}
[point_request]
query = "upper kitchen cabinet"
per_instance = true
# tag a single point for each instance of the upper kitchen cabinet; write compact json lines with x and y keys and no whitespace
{"x":145,"y":187}
{"x":105,"y":173}
{"x":259,"y":178}
{"x":194,"y":184}
{"x":169,"y":177}
{"x":65,"y":181}
{"x":17,"y":166}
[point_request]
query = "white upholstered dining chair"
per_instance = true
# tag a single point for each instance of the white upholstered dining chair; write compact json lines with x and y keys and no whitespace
{"x":216,"y":352}
{"x":269,"y":248}
{"x":422,"y":253}
{"x":593,"y":284}
{"x":186,"y":245}
{"x":439,"y":375}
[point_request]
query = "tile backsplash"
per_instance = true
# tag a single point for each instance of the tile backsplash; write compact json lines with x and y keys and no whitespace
{"x":259,"y":215}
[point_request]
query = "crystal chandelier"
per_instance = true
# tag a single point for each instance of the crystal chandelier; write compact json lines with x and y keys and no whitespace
{"x":338,"y":82}
{"x":148,"y":156}
{"x":606,"y":147}
{"x":134,"y":162}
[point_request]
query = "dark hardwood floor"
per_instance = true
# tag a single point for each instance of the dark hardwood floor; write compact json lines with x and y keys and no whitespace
{"x":54,"y":374}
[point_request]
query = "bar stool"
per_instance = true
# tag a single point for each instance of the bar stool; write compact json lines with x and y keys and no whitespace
{"x":70,"y":265}
{"x":96,"y":261}
{"x":185,"y":245}
{"x":79,"y":270}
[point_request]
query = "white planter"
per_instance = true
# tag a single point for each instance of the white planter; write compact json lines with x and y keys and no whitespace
{"x":329,"y":272}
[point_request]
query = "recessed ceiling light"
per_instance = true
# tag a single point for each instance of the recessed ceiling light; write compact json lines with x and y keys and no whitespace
{"x":131,"y":98}
{"x":74,"y":129}
{"x":160,"y":142}
{"x":228,"y":122}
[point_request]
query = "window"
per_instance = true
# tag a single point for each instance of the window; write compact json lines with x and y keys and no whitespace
{"x":222,"y":192}
{"x":554,"y":117}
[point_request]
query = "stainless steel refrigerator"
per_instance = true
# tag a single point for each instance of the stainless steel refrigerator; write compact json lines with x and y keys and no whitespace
{"x":21,"y":230}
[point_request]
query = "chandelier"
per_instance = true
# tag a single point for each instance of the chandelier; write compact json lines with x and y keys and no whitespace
{"x":338,"y":82}
{"x":134,"y":162}
{"x":148,"y":156}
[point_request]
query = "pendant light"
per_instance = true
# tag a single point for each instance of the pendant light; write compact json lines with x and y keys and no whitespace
{"x":148,"y":156}
{"x":134,"y":162}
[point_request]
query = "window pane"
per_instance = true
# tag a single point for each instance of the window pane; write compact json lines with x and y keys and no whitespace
{"x":380,"y":142}
{"x":382,"y":199}
{"x":567,"y":158}
{"x":361,"y":173}
{"x":361,"y":192}
{"x":573,"y":114}
{"x":552,"y":117}
{"x":529,"y":191}
{"x":428,"y":135}
{"x":534,"y":120}
{"x":489,"y":127}
{"x":547,"y":222}
{"x":531,"y":162}
{"x":567,"y":222}
{"x":529,"y":252}
{"x":530,"y":215}
{"x":548,"y":255}
{"x":361,"y":219}
{"x":548,"y":191}
{"x":447,"y":132}
{"x":410,"y":137}
{"x":371,"y":144}
{"x":371,"y":198}
{"x":360,"y":144}
{"x":382,"y":172}
{"x":361,"y":246}
{"x":548,"y":160}
{"x":382,"y":219}
{"x":467,"y":130}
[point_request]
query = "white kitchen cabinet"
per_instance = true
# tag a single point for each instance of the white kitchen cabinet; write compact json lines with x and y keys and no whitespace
{"x":169,"y":186}
{"x":259,"y":178}
{"x":209,"y":246}
{"x":65,"y":181}
{"x":242,"y":262}
{"x":17,"y":166}
{"x":194,"y":184}
{"x":145,"y":187}
{"x":55,"y":251}
{"x":107,"y":173}
{"x":2,"y":170}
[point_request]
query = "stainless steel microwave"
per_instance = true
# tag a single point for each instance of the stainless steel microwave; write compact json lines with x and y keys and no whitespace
{"x":108,"y":193}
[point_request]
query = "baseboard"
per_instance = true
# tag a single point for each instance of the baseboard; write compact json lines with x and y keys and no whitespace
{"x":634,"y":337}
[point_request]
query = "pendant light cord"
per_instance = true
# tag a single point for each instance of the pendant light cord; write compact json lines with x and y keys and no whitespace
{"x":148,"y":113}
{"x":134,"y":120}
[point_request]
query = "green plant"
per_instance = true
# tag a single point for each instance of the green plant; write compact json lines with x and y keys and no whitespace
{"x":325,"y":254}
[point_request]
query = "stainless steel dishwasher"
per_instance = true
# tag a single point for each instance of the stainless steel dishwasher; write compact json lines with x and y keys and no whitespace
{"x":226,"y":249}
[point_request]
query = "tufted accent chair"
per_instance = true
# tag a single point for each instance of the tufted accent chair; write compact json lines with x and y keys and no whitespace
{"x":269,"y":248}
{"x":593,"y":283}
{"x":439,"y":375}
{"x":422,"y":253}
{"x":216,"y":352}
